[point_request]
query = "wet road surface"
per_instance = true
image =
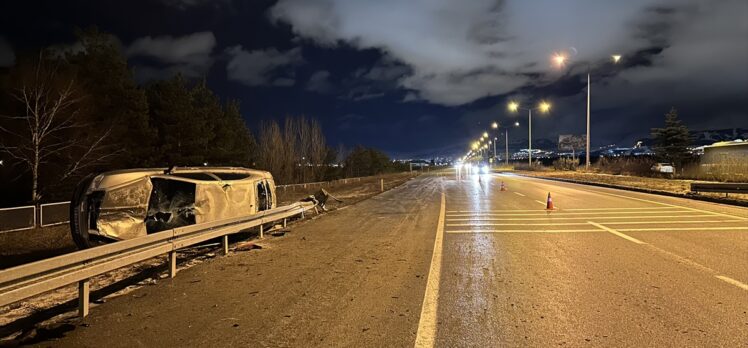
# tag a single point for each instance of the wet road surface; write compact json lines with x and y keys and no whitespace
{"x":605,"y":268}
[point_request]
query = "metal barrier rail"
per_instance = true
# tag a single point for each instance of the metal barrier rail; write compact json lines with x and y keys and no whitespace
{"x":21,"y":282}
{"x":725,"y":188}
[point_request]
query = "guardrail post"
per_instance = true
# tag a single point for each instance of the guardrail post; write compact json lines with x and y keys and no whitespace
{"x":225,"y":244}
{"x":285,"y":221}
{"x":84,"y":291}
{"x":381,"y":185}
{"x":172,"y":264}
{"x":261,"y":232}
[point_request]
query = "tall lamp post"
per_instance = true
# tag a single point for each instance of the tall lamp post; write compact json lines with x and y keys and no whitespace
{"x":560,"y":60}
{"x":495,"y":125}
{"x":506,"y":143}
{"x":543,"y":107}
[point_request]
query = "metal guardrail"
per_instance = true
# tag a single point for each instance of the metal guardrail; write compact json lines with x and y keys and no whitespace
{"x":21,"y":282}
{"x":720,"y":187}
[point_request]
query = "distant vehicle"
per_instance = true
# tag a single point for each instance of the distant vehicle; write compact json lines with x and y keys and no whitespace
{"x":665,"y":168}
{"x":131,"y":203}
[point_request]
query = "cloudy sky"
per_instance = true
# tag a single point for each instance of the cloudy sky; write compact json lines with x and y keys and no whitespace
{"x":425,"y":76}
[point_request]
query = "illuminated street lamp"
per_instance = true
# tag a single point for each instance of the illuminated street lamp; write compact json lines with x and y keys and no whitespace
{"x":560,"y":63}
{"x":495,"y":125}
{"x":543,"y":107}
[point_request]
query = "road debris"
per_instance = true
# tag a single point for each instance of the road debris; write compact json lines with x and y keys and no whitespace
{"x":247,"y":246}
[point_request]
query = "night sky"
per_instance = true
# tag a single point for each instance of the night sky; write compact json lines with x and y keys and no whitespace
{"x":420,"y":77}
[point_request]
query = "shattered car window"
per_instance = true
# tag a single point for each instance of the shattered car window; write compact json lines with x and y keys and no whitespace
{"x":172,"y":204}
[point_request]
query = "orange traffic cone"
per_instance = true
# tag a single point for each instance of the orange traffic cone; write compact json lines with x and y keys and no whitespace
{"x":503,"y":187}
{"x":549,"y":202}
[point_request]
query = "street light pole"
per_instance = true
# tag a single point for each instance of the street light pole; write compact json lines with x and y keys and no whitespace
{"x":506,"y":144}
{"x":529,"y":136}
{"x":587,"y":155}
{"x":494,"y":147}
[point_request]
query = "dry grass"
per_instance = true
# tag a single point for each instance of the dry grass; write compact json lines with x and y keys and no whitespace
{"x":21,"y":247}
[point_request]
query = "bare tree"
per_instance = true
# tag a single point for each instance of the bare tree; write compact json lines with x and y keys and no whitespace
{"x":317,"y":150}
{"x":46,"y":129}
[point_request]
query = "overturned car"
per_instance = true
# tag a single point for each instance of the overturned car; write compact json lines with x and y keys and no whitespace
{"x":125,"y":204}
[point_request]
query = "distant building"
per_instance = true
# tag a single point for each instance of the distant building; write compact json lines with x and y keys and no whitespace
{"x":727,"y":159}
{"x":726,"y":151}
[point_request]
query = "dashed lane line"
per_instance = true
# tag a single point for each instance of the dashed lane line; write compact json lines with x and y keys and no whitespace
{"x":679,"y":258}
{"x":670,"y":205}
{"x":733,"y":282}
{"x":517,"y":193}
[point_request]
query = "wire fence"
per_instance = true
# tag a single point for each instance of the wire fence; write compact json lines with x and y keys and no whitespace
{"x":17,"y":218}
{"x":51,"y":214}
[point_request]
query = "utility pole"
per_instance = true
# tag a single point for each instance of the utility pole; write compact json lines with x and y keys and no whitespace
{"x":587,"y":155}
{"x":506,"y":144}
{"x":529,"y":137}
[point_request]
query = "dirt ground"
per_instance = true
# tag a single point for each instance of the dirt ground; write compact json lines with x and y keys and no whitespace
{"x":677,"y":186}
{"x":42,"y":316}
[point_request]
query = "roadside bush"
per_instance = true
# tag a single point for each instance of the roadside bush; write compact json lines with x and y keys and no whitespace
{"x":566,"y":163}
{"x":536,"y":166}
{"x":638,"y":166}
{"x":728,"y":170}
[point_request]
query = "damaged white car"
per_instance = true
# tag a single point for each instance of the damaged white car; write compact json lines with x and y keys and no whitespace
{"x":131,"y":203}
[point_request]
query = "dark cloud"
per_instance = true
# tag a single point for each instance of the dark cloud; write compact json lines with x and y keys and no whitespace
{"x":320,"y":82}
{"x":260,"y":67}
{"x":190,"y":55}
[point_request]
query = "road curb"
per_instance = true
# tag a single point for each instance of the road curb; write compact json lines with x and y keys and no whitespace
{"x":644,"y":190}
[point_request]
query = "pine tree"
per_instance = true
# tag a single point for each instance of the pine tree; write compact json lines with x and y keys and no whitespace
{"x":671,"y":142}
{"x":115,"y":103}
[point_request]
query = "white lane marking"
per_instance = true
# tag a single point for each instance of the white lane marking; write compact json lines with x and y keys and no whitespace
{"x":543,"y":203}
{"x":582,"y":218}
{"x":685,"y":229}
{"x":624,"y":236}
{"x":733,"y":282}
{"x":520,"y":231}
{"x":563,"y":212}
{"x":512,"y":224}
{"x":426,"y":334}
{"x":572,"y":209}
{"x":671,"y":205}
{"x":517,"y":193}
{"x":607,"y":223}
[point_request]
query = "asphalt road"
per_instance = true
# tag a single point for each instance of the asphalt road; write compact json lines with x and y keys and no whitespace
{"x":453,"y":263}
